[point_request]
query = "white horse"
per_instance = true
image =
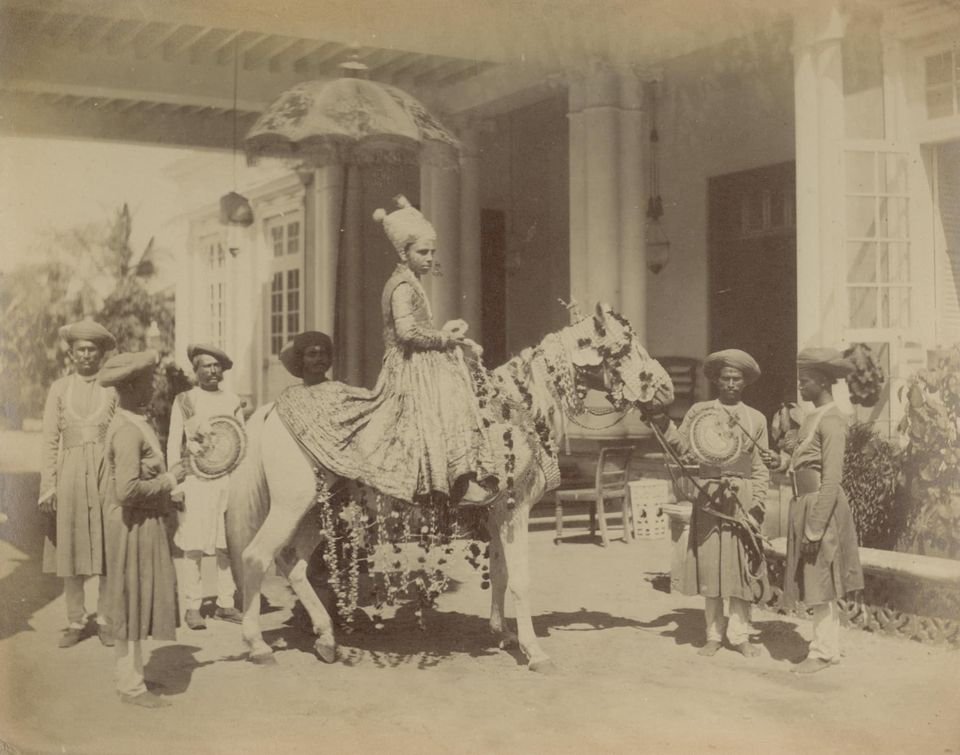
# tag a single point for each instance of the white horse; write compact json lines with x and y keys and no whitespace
{"x":276,"y":486}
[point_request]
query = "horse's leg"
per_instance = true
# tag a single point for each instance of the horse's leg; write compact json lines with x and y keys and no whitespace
{"x":513,"y":535}
{"x":292,"y":489}
{"x":293,"y":563}
{"x":498,"y":582}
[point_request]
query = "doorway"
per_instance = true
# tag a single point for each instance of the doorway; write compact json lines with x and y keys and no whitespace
{"x":753,"y":276}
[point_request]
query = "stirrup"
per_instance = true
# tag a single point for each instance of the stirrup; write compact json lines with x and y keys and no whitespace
{"x":476,"y":494}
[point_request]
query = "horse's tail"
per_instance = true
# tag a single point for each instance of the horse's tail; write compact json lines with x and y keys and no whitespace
{"x":249,"y":497}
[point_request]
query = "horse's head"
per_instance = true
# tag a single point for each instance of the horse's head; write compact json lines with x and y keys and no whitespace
{"x":608,"y":357}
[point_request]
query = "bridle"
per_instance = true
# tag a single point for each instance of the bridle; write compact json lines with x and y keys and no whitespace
{"x":597,"y":378}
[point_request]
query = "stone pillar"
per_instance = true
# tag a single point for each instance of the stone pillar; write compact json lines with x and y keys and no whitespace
{"x":471,"y":264}
{"x":323,"y":204}
{"x":608,"y":200}
{"x":818,"y":95}
{"x":441,"y":206}
{"x":601,"y":116}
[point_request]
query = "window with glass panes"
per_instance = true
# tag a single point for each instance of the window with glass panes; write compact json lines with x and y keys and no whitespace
{"x":215,"y":253}
{"x":877,"y":240}
{"x":942,"y":83}
{"x":284,"y":235}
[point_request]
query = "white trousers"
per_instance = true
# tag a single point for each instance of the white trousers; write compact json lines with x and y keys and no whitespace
{"x":738,"y":625}
{"x":826,"y":632}
{"x":128,"y":669}
{"x":191,"y":582}
{"x":74,"y":594}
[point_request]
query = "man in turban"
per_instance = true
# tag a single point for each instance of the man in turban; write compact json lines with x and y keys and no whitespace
{"x":823,"y":559}
{"x":716,"y":548}
{"x":200,"y":529}
{"x":309,"y":356}
{"x":75,"y":420}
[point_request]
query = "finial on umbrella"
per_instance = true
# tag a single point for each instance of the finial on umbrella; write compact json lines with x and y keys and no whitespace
{"x":353,"y":67}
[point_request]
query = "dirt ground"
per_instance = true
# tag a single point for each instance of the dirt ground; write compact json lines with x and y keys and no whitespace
{"x":628,"y":678}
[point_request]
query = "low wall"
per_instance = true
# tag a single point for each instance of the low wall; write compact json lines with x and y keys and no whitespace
{"x":905,"y":595}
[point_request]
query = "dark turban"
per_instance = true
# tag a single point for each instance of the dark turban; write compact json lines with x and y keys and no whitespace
{"x":739,"y":360}
{"x":123,"y":367}
{"x":828,"y":363}
{"x":292,"y":354}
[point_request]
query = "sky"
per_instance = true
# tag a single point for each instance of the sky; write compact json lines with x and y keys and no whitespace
{"x":57,"y":184}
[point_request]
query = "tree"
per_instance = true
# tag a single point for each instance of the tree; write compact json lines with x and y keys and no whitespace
{"x":85,"y":271}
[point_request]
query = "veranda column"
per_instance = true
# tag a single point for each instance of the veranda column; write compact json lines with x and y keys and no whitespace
{"x":818,"y":96}
{"x":471,"y":264}
{"x":323,"y":204}
{"x":441,"y":206}
{"x":596,"y":176}
{"x":601,"y":114}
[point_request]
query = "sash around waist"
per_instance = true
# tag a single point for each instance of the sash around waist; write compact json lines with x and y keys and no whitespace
{"x":80,"y":435}
{"x":806,"y":481}
{"x":712,"y":472}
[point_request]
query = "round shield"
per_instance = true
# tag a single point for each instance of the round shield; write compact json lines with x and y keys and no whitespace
{"x":714,"y":439}
{"x":222,"y":447}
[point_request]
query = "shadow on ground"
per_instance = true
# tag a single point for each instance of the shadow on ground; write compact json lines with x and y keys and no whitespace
{"x":686,"y":626}
{"x":170,"y":668}
{"x":24,"y":590}
{"x":401,"y":641}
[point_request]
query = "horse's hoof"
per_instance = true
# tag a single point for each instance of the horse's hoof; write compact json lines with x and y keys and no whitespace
{"x":546,"y":667}
{"x":325,"y":651}
{"x":263,"y":659}
{"x":508,"y":642}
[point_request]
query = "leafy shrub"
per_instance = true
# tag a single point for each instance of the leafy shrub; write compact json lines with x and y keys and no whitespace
{"x":873,"y":482}
{"x":931,"y":424}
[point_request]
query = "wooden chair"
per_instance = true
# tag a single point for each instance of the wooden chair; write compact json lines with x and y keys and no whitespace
{"x":683,"y":373}
{"x":612,"y":476}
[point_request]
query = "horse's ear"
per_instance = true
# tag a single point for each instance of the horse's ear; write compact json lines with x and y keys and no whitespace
{"x":600,"y":313}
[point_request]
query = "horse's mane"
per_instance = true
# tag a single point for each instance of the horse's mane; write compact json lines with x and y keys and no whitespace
{"x":536,"y":387}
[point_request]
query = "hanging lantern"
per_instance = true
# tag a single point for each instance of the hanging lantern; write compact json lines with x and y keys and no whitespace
{"x":657,"y":243}
{"x":235,"y":209}
{"x":658,"y":246}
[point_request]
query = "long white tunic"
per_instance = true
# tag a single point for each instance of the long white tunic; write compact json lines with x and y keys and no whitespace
{"x":200,"y":525}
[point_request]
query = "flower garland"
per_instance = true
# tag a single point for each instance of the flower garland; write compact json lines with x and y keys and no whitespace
{"x":404,"y":549}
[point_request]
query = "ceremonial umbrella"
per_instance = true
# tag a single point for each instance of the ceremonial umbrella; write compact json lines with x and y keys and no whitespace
{"x":357,"y":124}
{"x":350,"y":120}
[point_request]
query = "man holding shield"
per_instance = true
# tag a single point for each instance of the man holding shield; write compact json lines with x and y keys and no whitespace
{"x":725,"y":437}
{"x":200,"y":529}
